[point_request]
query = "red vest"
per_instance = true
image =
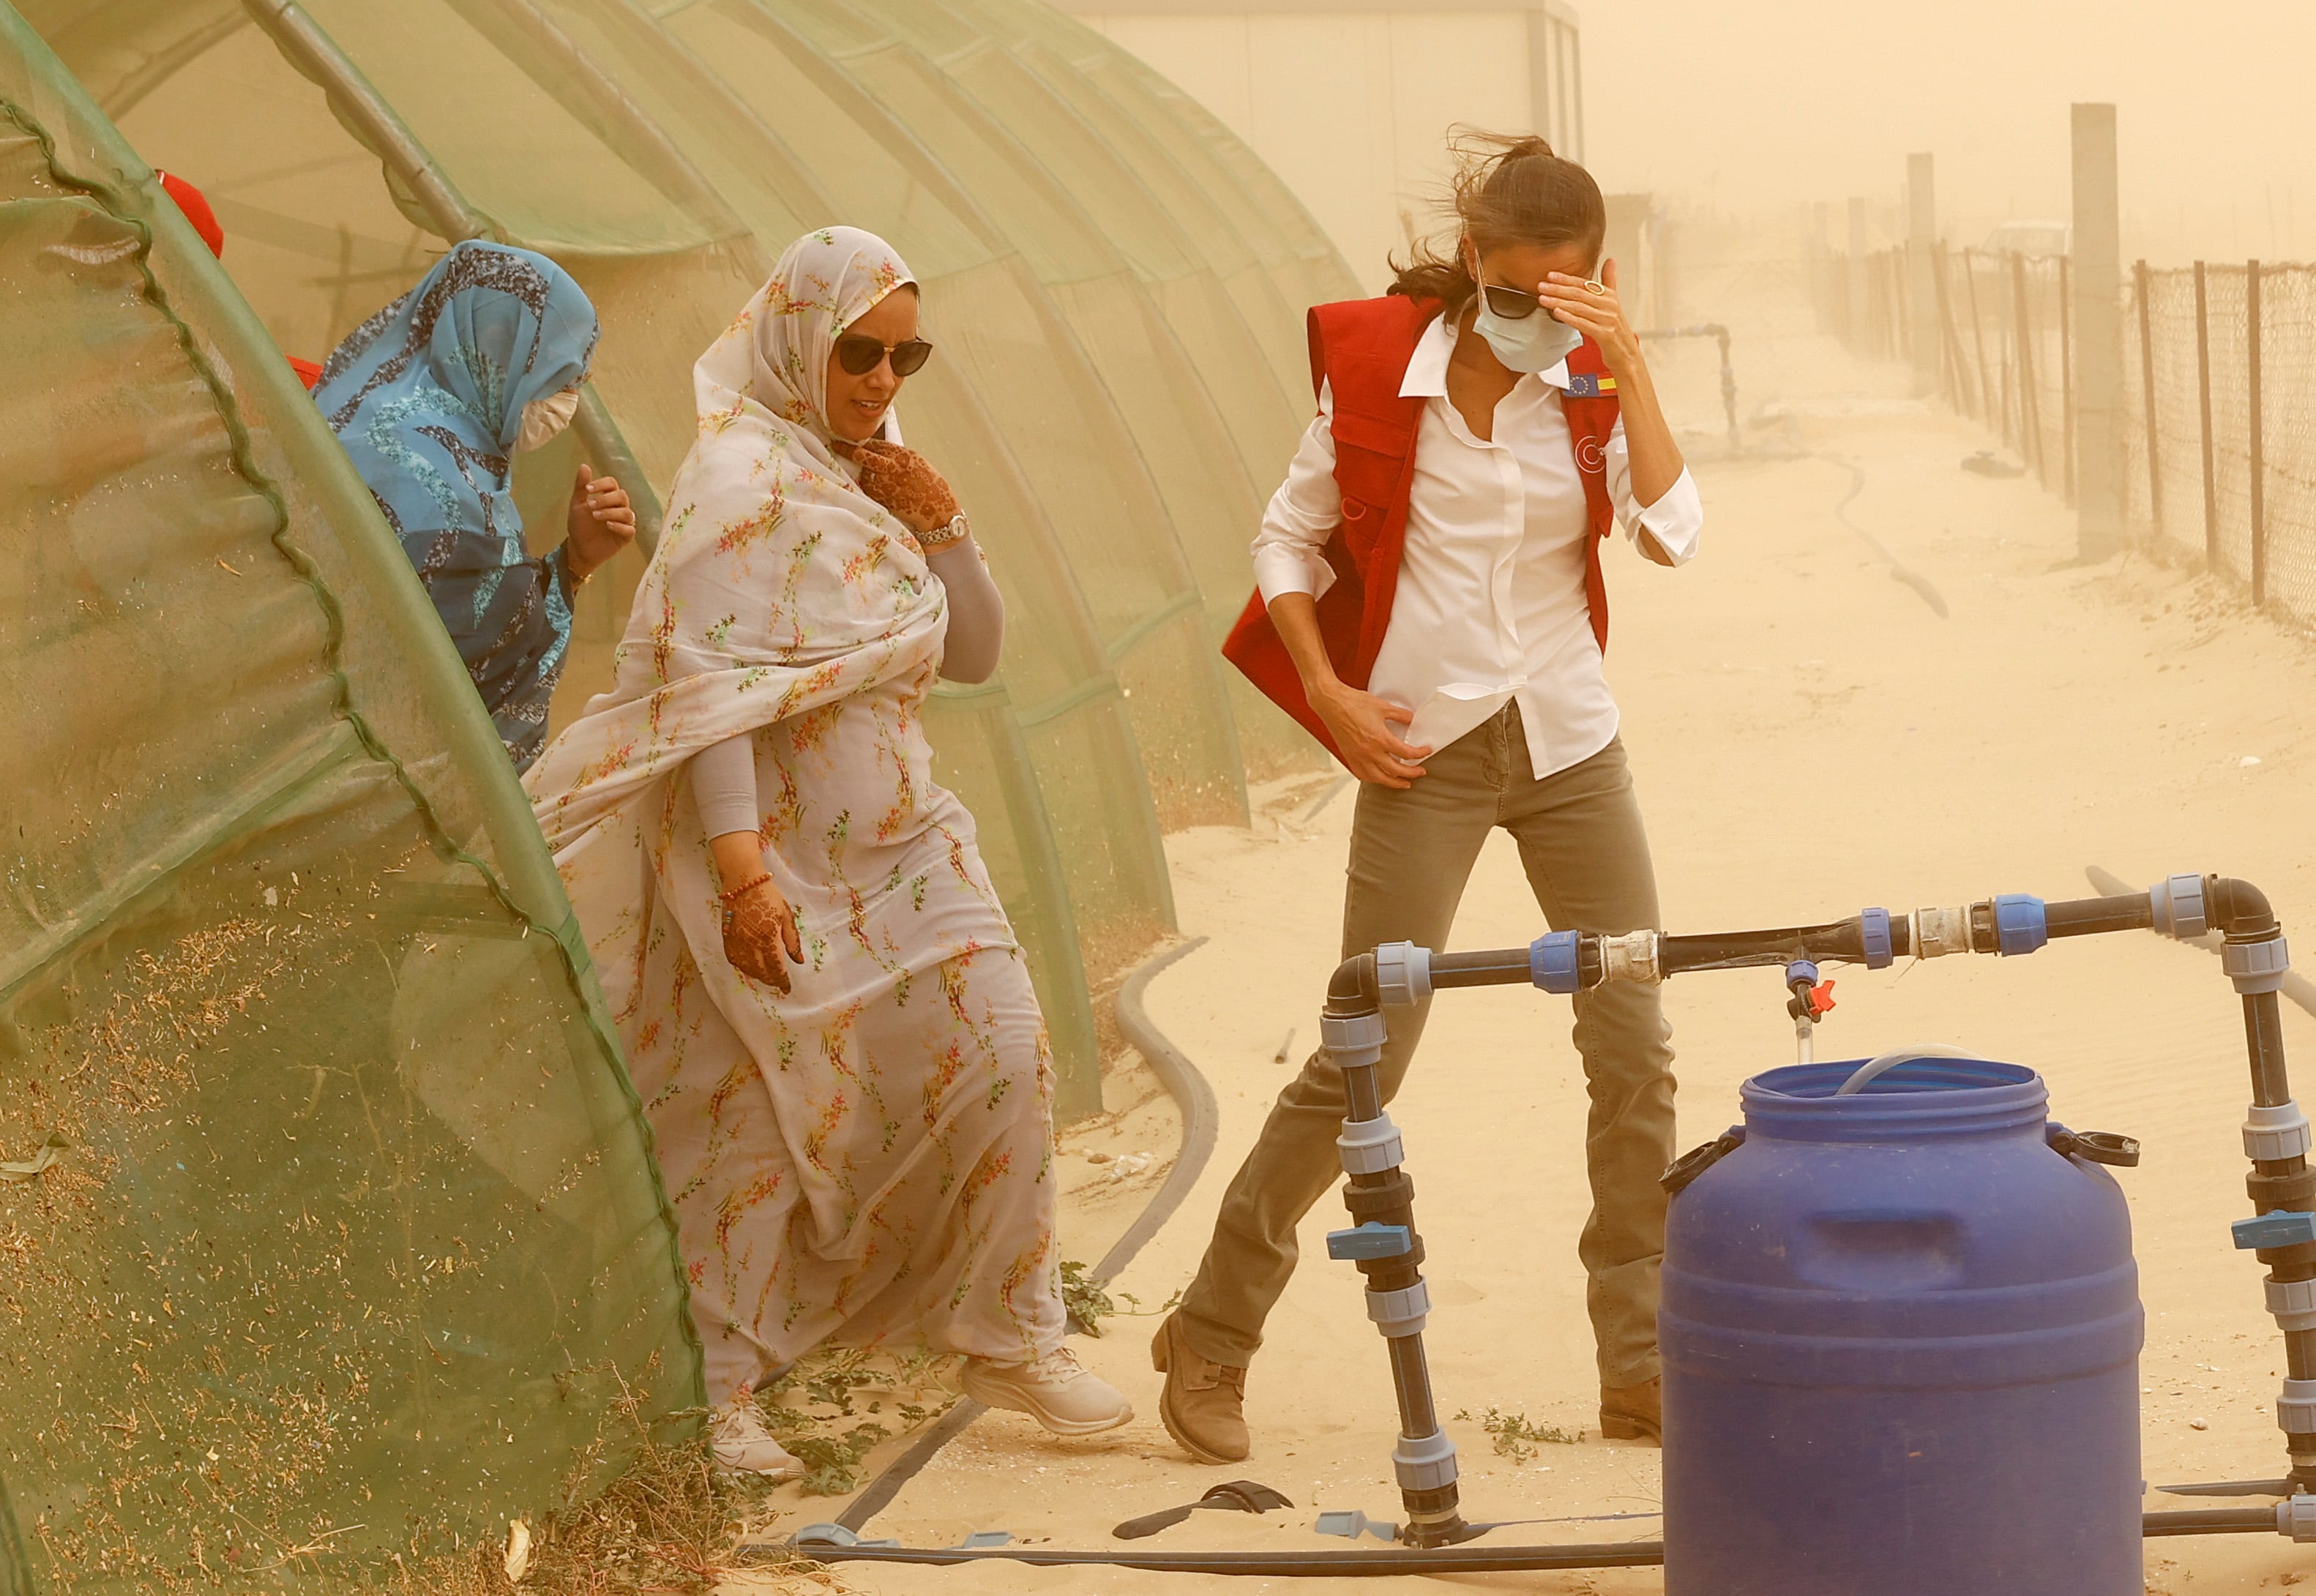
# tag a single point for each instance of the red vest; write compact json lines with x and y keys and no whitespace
{"x":1361,"y":351}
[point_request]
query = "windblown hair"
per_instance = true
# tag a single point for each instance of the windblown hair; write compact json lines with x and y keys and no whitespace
{"x":1508,"y":188}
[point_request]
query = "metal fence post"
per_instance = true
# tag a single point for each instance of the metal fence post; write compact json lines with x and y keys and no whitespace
{"x":2099,"y":405}
{"x":1950,"y":344}
{"x":2203,"y":402}
{"x":1978,"y":339}
{"x":1921,"y":238}
{"x":2066,"y":380}
{"x":2030,"y":403}
{"x":2259,"y":454}
{"x":1855,"y":283}
{"x":2140,"y":281}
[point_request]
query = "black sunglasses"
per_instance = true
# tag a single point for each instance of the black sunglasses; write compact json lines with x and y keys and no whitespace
{"x":1511,"y":303}
{"x":860,"y":354}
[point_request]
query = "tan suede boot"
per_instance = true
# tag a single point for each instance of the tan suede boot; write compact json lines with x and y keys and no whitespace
{"x":1633,"y":1412}
{"x":1203,"y":1404}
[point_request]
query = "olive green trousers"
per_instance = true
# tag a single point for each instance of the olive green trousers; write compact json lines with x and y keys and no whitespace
{"x":1587,"y":858}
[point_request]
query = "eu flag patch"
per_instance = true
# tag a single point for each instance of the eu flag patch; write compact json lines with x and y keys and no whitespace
{"x":1582,"y":386}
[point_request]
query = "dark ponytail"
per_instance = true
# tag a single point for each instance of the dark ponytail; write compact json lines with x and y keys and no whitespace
{"x":1507,"y":189}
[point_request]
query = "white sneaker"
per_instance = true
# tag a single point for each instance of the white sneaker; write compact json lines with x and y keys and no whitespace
{"x":743,"y":1445}
{"x":1055,"y":1389}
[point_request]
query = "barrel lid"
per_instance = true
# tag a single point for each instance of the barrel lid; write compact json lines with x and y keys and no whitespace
{"x":1920,"y":1098}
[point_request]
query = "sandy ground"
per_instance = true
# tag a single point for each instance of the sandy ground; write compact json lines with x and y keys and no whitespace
{"x":1809,"y":738}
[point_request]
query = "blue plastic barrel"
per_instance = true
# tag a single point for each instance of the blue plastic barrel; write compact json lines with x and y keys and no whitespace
{"x":1901,"y":1341}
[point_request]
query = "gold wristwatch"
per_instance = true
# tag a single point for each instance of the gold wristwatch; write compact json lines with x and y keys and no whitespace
{"x":941,"y":538}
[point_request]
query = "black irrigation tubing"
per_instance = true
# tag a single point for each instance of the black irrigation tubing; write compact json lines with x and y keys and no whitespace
{"x":2296,"y":987}
{"x":1462,"y":1559}
{"x":1195,"y":1100}
{"x":1905,"y":573}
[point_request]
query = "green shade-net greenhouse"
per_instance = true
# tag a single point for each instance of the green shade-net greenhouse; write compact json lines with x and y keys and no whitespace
{"x":1115,"y":288}
{"x":328,"y":1224}
{"x":329,"y":1230}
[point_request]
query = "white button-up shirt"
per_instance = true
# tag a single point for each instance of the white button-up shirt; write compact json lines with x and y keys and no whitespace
{"x":1490,"y":606}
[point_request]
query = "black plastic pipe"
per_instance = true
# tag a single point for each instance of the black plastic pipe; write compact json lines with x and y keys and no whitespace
{"x":2264,"y":1041}
{"x":1489,"y":967}
{"x":1459,"y":1559}
{"x":2089,"y":916}
{"x":2209,"y":1520}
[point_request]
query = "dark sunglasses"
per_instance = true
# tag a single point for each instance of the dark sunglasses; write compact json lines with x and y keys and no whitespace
{"x":1511,"y":304}
{"x":860,"y":354}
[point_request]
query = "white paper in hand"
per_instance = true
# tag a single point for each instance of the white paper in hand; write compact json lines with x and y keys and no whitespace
{"x":1452,"y":711}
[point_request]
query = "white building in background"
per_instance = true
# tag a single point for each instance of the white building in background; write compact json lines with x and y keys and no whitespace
{"x":1350,"y":101}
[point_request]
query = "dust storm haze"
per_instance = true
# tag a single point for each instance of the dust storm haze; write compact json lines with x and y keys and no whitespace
{"x":1748,"y":108}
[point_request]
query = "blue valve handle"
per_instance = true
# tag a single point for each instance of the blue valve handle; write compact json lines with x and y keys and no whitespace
{"x":1370,"y":1240}
{"x":2281,"y":1229}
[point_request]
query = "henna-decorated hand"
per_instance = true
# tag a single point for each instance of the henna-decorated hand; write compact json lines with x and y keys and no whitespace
{"x":759,"y":936}
{"x":904,"y":483}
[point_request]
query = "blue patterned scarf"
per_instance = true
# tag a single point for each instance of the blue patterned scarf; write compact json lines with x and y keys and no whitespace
{"x":427,"y":396}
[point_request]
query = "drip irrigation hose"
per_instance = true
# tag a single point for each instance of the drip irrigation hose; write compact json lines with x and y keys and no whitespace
{"x":1904,"y":572}
{"x":1200,"y":1120}
{"x":1384,"y":1561}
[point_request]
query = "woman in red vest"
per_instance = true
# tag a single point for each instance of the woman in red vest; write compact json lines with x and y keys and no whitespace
{"x":1432,"y":608}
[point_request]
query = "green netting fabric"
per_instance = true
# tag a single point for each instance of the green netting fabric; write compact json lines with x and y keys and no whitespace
{"x":328,"y":1227}
{"x":1120,"y":374}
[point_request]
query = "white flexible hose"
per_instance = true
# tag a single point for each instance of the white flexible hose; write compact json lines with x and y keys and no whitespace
{"x":1866,"y":1071}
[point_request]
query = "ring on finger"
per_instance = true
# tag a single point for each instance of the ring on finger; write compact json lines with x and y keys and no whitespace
{"x":1593,"y":285}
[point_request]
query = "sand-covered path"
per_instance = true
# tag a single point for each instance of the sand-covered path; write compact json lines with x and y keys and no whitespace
{"x":1809,"y":738}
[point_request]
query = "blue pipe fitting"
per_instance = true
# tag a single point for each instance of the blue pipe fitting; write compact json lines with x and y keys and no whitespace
{"x":1370,"y":1240}
{"x":2281,"y":1229}
{"x":1874,"y":931}
{"x":1552,"y":962}
{"x":2020,"y":926}
{"x":1801,"y":972}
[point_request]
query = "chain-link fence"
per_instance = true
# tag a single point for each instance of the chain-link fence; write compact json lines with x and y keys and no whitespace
{"x":2219,"y":367}
{"x":1861,"y":300}
{"x":2006,"y":353}
{"x":2219,"y":372}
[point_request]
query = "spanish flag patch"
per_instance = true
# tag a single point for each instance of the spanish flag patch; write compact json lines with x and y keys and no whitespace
{"x":1589,"y":388}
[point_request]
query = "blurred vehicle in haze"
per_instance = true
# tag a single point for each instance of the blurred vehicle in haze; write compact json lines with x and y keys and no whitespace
{"x":2027,"y":238}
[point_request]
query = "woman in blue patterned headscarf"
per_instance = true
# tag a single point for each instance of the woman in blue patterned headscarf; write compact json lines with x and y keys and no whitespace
{"x":432,"y":396}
